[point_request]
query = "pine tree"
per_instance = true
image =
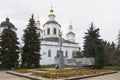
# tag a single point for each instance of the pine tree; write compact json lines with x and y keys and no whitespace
{"x":109,"y":49}
{"x":116,"y":56}
{"x":9,"y":48}
{"x":31,"y":48}
{"x":93,"y":46}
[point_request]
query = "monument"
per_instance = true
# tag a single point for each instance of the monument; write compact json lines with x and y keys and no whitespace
{"x":60,"y":53}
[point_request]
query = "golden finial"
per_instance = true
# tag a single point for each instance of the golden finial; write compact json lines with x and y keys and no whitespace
{"x":70,"y":25}
{"x":38,"y":20}
{"x":51,"y":10}
{"x":60,"y":33}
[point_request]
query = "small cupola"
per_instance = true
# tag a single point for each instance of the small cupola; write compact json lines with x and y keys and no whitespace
{"x":51,"y":15}
{"x":70,"y":35}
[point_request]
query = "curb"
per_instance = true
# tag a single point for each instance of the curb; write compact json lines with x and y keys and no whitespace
{"x":71,"y":78}
{"x":94,"y":75}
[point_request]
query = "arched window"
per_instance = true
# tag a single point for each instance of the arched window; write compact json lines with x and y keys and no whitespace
{"x":58,"y":32}
{"x":44,"y":32}
{"x":57,"y":55}
{"x":66,"y":53}
{"x":39,"y":34}
{"x":73,"y":54}
{"x":54,"y":31}
{"x":48,"y":31}
{"x":49,"y":53}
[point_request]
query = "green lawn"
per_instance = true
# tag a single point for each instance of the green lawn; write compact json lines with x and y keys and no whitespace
{"x":113,"y":68}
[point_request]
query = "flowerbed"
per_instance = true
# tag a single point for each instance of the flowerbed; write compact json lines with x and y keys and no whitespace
{"x":73,"y":73}
{"x":60,"y":71}
{"x":22,"y":71}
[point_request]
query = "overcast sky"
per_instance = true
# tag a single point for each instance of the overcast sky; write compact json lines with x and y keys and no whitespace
{"x":105,"y":14}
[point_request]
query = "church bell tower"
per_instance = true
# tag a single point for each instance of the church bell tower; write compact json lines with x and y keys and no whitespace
{"x":70,"y":35}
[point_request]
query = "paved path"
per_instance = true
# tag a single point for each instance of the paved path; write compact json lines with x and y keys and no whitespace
{"x":5,"y":76}
{"x":115,"y":76}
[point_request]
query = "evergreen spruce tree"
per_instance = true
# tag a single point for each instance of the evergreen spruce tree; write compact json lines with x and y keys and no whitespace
{"x":9,"y":48}
{"x":109,"y":49}
{"x":31,"y":48}
{"x":116,"y":56}
{"x":93,"y":46}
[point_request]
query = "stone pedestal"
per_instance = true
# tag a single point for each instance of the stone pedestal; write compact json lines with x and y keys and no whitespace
{"x":60,"y":60}
{"x":79,"y":65}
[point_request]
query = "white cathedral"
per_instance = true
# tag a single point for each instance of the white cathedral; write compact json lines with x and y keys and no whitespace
{"x":50,"y":40}
{"x":49,"y":37}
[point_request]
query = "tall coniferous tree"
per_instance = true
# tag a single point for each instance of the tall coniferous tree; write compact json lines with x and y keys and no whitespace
{"x":31,"y":48}
{"x":116,"y":56}
{"x":9,"y":48}
{"x":93,"y":46}
{"x":109,"y":49}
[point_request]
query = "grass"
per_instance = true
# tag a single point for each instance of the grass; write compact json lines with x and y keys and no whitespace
{"x":48,"y":66}
{"x":51,"y":66}
{"x":113,"y":68}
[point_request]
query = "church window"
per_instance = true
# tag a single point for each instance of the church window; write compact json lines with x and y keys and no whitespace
{"x":39,"y":34}
{"x":66,"y":53}
{"x":48,"y":31}
{"x":54,"y":31}
{"x":73,"y":54}
{"x":49,"y":53}
{"x":44,"y":53}
{"x":57,"y":54}
{"x":44,"y":32}
{"x":59,"y":32}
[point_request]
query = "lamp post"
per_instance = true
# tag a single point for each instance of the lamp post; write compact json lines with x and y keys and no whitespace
{"x":60,"y":53}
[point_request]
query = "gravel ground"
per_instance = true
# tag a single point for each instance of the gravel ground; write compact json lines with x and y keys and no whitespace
{"x":115,"y":76}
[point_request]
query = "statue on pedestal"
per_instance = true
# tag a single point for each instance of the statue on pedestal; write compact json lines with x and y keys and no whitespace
{"x":60,"y":53}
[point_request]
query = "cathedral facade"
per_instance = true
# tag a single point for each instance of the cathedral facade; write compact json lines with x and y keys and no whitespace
{"x":49,"y":37}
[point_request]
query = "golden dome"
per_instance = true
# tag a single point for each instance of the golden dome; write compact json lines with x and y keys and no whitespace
{"x":70,"y":25}
{"x":51,"y":10}
{"x":38,"y":20}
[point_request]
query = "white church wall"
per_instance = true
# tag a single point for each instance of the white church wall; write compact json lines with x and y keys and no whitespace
{"x":56,"y":43}
{"x":54,"y":47}
{"x":51,"y":26}
{"x":40,"y":32}
{"x":44,"y":52}
{"x":71,"y":37}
